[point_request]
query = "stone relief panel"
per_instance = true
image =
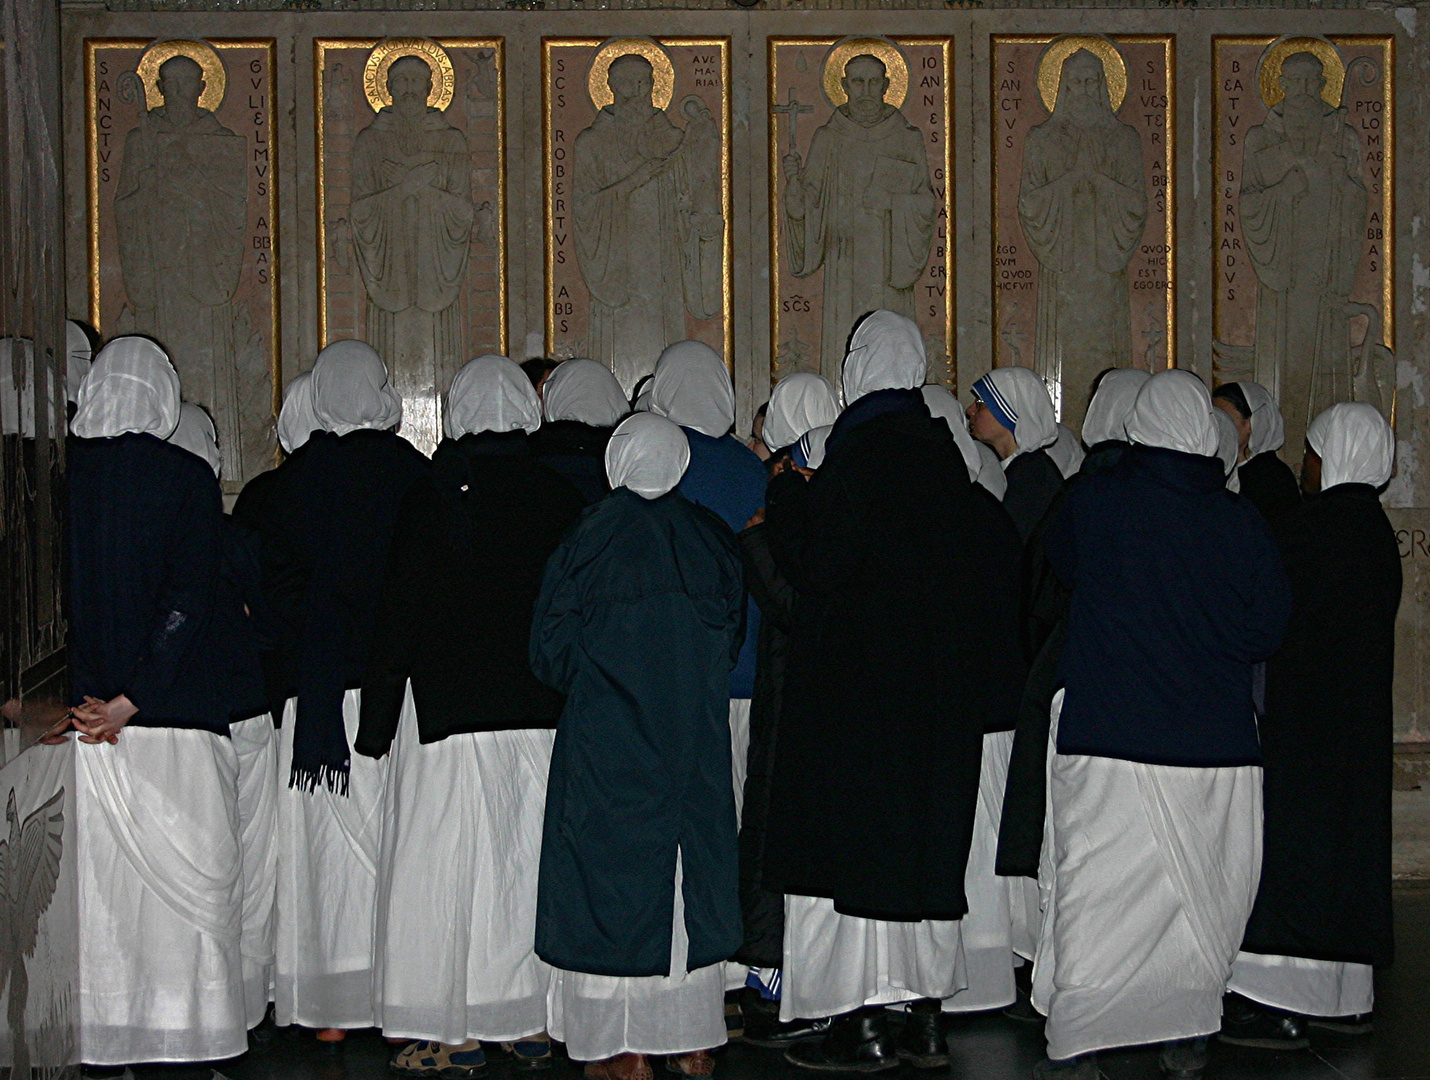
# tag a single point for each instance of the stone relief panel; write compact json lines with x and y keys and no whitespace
{"x":412,"y":208}
{"x":1083,"y":236}
{"x":636,"y":146}
{"x":1304,"y":164}
{"x":183,"y":229}
{"x":861,"y":195}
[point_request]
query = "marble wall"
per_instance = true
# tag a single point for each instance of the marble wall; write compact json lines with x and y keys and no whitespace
{"x":1236,"y":189}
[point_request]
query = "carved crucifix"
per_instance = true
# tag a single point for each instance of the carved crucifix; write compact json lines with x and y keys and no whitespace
{"x":793,"y":109}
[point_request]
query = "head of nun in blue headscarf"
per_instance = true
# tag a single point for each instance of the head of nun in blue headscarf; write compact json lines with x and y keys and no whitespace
{"x":1012,"y":412}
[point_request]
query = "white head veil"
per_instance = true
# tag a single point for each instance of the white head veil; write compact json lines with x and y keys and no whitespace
{"x":1019,"y":395}
{"x":990,"y":470}
{"x":78,"y":354}
{"x":800,"y":402}
{"x":812,"y":445}
{"x":886,"y":353}
{"x":1110,"y":407}
{"x":1355,"y":443}
{"x":351,"y":391}
{"x":132,"y":387}
{"x":491,"y":393}
{"x":648,"y":454}
{"x":1268,"y":427}
{"x":1228,"y":447}
{"x":944,"y":406}
{"x":584,"y":391}
{"x":296,"y":420}
{"x":1066,"y":452}
{"x":692,"y":388}
{"x":1174,"y":412}
{"x":196,"y":434}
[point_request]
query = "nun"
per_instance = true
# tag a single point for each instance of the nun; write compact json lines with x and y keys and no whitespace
{"x":1155,"y":788}
{"x":155,"y":803}
{"x":983,"y":466}
{"x":1322,"y":920}
{"x":638,"y":624}
{"x":1104,"y":427}
{"x":581,"y":404}
{"x":1012,"y":414}
{"x":1228,"y":447}
{"x":1263,"y":477}
{"x":331,"y":521}
{"x":238,"y":609}
{"x":798,"y":404}
{"x":470,"y":741}
{"x":1067,"y":453}
{"x":903,"y":654}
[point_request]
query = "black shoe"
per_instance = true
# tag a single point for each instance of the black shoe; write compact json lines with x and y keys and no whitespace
{"x":1359,"y":1024}
{"x":921,"y":1041}
{"x":1245,"y":1023}
{"x":1083,"y":1067}
{"x":1023,"y":1010}
{"x":856,"y":1042}
{"x":1184,"y":1059}
{"x":764,"y":1029}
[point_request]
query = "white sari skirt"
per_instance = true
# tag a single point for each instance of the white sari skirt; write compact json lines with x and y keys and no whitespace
{"x":256,"y":743}
{"x":1307,"y":987}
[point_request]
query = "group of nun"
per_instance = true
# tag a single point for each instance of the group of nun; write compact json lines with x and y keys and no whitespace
{"x":605,"y":727}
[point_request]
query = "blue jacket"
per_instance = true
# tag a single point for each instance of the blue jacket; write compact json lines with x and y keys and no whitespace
{"x":725,"y":476}
{"x":1177,"y":591}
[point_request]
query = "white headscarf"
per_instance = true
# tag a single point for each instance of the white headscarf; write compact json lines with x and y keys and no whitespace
{"x":1066,"y":452}
{"x":351,"y":391}
{"x":886,"y":353}
{"x":1174,"y":412}
{"x":990,"y":471}
{"x":648,"y":454}
{"x":1355,"y":443}
{"x":584,"y":391}
{"x":1017,"y":394}
{"x":944,"y":406}
{"x":1110,"y":407}
{"x":491,"y":393}
{"x":78,"y":354}
{"x":296,"y":420}
{"x":812,"y":445}
{"x":692,"y":388}
{"x":132,"y":387}
{"x":800,"y":402}
{"x":196,"y":434}
{"x":1228,"y":447}
{"x":1268,"y":427}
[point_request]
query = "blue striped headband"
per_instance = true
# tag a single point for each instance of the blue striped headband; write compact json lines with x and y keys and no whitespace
{"x":997,"y":404}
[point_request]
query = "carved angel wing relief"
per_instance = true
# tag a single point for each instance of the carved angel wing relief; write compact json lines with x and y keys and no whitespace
{"x":33,"y":870}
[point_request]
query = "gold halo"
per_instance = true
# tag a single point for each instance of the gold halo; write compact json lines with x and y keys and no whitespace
{"x":895,"y":67}
{"x":1050,"y":67}
{"x":1268,"y":71}
{"x":662,"y":71}
{"x":387,"y":53}
{"x":201,"y":53}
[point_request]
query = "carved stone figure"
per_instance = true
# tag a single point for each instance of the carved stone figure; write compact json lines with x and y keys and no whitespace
{"x":1303,"y":214}
{"x":648,"y":221}
{"x":1082,"y":204}
{"x":411,"y":223}
{"x":862,"y":208}
{"x":181,"y":211}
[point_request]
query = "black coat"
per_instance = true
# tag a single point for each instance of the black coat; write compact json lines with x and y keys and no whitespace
{"x":638,"y":624}
{"x":240,"y":587}
{"x":1327,"y":740}
{"x":463,"y":572}
{"x":1034,"y":480}
{"x":1268,"y":484}
{"x":763,"y":908}
{"x":145,"y":545}
{"x":577,"y":451}
{"x":904,"y":651}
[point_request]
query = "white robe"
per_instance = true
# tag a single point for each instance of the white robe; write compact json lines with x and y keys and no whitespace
{"x":988,"y":926}
{"x":600,"y":1016}
{"x":1151,"y":875}
{"x":737,"y":974}
{"x":255,"y":743}
{"x":456,"y":909}
{"x":160,"y":898}
{"x":1306,"y":987}
{"x":327,"y":889}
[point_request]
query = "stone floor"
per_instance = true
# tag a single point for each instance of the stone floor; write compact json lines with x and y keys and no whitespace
{"x":987,"y":1047}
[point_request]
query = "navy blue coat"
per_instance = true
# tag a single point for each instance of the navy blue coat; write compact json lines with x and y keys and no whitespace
{"x":638,"y":624}
{"x":1177,"y":591}
{"x":145,"y":543}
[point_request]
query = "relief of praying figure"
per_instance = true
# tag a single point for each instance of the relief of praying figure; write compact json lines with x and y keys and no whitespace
{"x":181,"y":210}
{"x":648,"y":221}
{"x":862,"y":208}
{"x":1082,"y":204}
{"x":412,"y":218}
{"x":1303,"y":214}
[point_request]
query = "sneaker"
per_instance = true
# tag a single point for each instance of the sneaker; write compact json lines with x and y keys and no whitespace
{"x":858,"y":1042}
{"x":1245,"y":1023}
{"x":1184,"y":1059}
{"x":1359,"y":1024}
{"x":1083,"y":1067}
{"x":424,"y":1058}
